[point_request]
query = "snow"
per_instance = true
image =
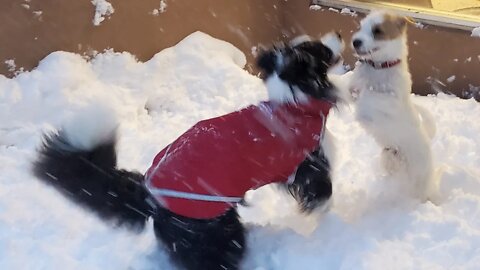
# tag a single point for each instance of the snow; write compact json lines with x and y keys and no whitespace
{"x":476,"y":32}
{"x":451,"y":79}
{"x":161,"y":9}
{"x":334,"y":10}
{"x":11,"y":64}
{"x":84,"y":133}
{"x":348,"y":11}
{"x":419,"y":25}
{"x":103,"y":9}
{"x":370,"y":224}
{"x":37,"y":13}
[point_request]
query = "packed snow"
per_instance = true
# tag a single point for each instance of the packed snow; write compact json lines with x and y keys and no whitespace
{"x":11,"y":64}
{"x":334,"y":10}
{"x":161,"y":9}
{"x":103,"y":9}
{"x":370,"y":224}
{"x":476,"y":32}
{"x":348,"y":11}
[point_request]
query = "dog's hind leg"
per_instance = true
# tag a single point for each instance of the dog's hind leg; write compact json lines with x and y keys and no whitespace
{"x":427,"y":120}
{"x":419,"y":167}
{"x":194,"y":244}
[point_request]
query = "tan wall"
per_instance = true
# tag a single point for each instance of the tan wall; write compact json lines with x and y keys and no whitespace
{"x":435,"y":53}
{"x":67,"y":25}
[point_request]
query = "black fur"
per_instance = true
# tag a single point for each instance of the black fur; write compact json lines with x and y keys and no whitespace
{"x":312,"y":186}
{"x":267,"y":61}
{"x":304,"y":66}
{"x":214,"y":244}
{"x":91,"y":178}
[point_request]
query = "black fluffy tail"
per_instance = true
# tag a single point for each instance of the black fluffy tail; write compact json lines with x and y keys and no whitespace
{"x":91,"y":179}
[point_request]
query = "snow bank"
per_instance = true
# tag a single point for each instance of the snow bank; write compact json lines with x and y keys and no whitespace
{"x":370,"y":225}
{"x":161,"y":9}
{"x":476,"y":32}
{"x":155,"y":101}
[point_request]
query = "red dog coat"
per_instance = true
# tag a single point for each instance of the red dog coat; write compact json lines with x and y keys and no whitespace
{"x":210,"y":167}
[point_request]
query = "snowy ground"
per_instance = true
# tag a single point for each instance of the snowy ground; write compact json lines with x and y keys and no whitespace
{"x":370,"y":225}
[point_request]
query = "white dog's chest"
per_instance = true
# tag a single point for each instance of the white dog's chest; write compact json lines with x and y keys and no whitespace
{"x":380,"y":96}
{"x":389,"y":83}
{"x":363,"y":84}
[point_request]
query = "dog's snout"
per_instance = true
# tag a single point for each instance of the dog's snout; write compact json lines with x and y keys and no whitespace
{"x":357,"y":43}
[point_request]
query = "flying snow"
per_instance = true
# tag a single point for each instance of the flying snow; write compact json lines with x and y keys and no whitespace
{"x":370,"y":225}
{"x":103,"y":9}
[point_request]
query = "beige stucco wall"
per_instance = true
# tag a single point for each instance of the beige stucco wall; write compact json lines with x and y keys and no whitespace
{"x":67,"y":25}
{"x":435,"y":53}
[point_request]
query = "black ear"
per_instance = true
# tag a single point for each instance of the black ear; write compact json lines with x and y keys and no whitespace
{"x":296,"y":69}
{"x":267,"y":61}
{"x":319,"y":51}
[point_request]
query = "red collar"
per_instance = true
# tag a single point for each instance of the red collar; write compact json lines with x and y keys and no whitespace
{"x":382,"y":65}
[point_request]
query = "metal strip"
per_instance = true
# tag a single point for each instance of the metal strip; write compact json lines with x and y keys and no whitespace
{"x":194,"y":196}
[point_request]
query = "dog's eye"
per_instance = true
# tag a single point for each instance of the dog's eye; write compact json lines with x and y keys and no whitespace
{"x":377,"y":31}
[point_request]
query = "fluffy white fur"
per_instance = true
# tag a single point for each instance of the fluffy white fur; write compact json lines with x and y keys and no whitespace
{"x":378,"y":51}
{"x":91,"y":127}
{"x":333,"y":42}
{"x":385,"y":109}
{"x":280,"y":91}
{"x":300,"y":39}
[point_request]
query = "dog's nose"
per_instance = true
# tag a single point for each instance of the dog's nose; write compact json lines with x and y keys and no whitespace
{"x":357,"y":43}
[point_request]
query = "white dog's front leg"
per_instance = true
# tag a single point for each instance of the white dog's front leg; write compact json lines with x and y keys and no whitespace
{"x":392,"y":160}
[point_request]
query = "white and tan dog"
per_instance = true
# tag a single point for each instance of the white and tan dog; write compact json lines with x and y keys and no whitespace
{"x":381,"y":87}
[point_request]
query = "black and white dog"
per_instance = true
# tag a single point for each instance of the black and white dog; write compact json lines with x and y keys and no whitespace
{"x":193,"y":185}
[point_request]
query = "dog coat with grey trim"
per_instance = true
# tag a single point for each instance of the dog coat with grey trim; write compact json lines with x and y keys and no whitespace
{"x":210,"y":167}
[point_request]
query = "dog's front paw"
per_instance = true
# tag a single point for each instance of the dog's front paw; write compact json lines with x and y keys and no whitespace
{"x":311,"y":194}
{"x":321,"y":205}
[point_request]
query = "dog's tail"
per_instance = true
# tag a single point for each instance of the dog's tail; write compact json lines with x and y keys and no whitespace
{"x":80,"y":162}
{"x":427,"y":120}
